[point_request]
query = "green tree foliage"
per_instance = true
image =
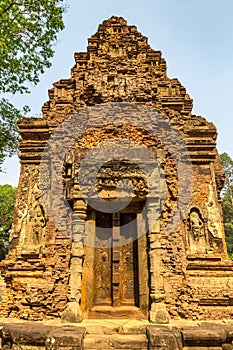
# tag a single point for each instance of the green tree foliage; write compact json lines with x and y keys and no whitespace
{"x":227,"y":201}
{"x":8,"y":128}
{"x":28,"y":30}
{"x":7,"y":203}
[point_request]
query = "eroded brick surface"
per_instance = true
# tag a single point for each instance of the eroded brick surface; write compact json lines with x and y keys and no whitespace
{"x":184,"y":273}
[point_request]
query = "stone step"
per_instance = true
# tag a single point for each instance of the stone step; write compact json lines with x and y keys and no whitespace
{"x":116,"y":342}
{"x":115,"y":326}
{"x":116,"y":312}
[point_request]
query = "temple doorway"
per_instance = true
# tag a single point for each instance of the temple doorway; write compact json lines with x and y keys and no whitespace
{"x":115,"y":271}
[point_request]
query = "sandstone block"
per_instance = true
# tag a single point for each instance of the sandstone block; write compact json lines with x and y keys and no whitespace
{"x":65,"y":338}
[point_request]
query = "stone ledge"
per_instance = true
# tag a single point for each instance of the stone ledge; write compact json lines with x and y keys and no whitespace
{"x":55,"y":336}
{"x":161,"y":337}
{"x":37,"y":335}
{"x":203,"y":336}
{"x":30,"y":333}
{"x":116,"y":341}
{"x":67,"y":337}
{"x":207,"y":336}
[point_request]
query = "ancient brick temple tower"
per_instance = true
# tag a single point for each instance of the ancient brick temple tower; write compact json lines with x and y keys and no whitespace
{"x":162,"y":274}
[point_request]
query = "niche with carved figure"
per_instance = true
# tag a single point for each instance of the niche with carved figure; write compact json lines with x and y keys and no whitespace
{"x":36,"y":222}
{"x":197,"y":232}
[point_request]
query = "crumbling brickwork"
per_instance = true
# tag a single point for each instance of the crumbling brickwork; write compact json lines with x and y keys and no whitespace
{"x":182,"y":273}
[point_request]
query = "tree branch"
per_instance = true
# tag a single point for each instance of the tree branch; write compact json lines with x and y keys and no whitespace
{"x":8,"y":8}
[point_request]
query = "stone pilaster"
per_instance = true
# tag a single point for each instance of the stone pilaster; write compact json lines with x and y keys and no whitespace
{"x":158,"y":312}
{"x":73,"y":312}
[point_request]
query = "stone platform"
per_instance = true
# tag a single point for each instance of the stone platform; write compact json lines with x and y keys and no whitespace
{"x":115,"y":334}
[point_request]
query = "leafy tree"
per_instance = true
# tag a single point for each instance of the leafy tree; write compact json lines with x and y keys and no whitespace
{"x":28,"y":30}
{"x":227,"y":163}
{"x":8,"y":128}
{"x":227,"y":201}
{"x":7,"y":203}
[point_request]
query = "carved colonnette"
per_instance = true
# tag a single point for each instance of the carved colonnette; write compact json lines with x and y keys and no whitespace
{"x":184,"y":272}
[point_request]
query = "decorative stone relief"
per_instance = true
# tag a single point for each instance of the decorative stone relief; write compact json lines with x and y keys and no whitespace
{"x":73,"y":312}
{"x":36,"y":220}
{"x":158,"y":312}
{"x":196,"y":225}
{"x":197,"y":233}
{"x":214,"y":218}
{"x":21,"y":225}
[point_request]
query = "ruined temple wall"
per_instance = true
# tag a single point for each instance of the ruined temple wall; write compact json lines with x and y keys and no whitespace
{"x":189,"y":269}
{"x":43,"y":288}
{"x":36,"y":268}
{"x":197,"y":277}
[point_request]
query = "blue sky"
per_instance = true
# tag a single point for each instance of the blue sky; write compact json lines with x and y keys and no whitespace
{"x":195,"y":37}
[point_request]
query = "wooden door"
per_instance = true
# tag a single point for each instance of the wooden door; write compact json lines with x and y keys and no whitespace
{"x":128,"y":266}
{"x":103,"y":260}
{"x":115,"y":265}
{"x":115,"y":271}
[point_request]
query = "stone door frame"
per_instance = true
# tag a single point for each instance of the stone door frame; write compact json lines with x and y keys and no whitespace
{"x":154,"y":307}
